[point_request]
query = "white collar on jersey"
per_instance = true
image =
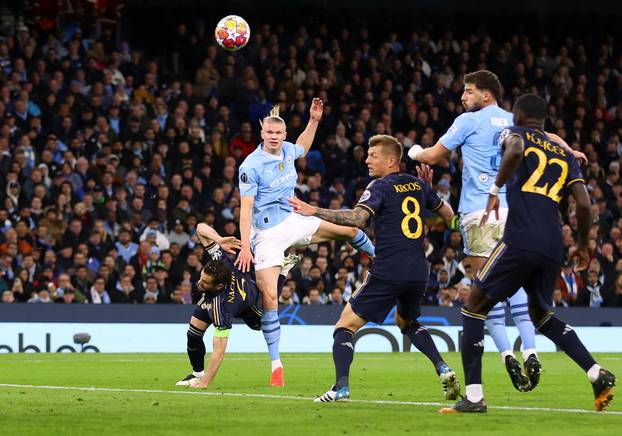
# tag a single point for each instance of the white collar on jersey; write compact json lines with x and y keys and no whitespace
{"x":272,"y":156}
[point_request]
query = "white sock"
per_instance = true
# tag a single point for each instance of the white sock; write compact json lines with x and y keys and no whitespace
{"x":276,"y":364}
{"x":198,"y":373}
{"x":506,"y":353}
{"x":593,"y":372}
{"x":528,"y":352}
{"x":474,"y":393}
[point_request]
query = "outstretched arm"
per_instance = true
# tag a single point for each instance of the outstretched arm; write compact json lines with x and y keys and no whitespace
{"x":306,"y":137}
{"x":430,"y":156}
{"x":356,"y":217}
{"x":218,"y":354}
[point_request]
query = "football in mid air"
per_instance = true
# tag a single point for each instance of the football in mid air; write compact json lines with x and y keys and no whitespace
{"x":232,"y":32}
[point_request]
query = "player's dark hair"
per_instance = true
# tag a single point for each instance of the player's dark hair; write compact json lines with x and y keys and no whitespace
{"x":485,"y":80}
{"x":389,"y":143}
{"x":219,"y":271}
{"x":531,"y":106}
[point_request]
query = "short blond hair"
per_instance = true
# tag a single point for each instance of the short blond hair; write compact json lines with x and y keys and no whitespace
{"x":389,"y":144}
{"x":273,"y":116}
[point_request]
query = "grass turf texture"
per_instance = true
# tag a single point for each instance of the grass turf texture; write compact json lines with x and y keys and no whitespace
{"x":391,"y":377}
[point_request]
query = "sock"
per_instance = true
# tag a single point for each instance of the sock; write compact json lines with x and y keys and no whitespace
{"x":565,"y":338}
{"x":528,"y":352}
{"x":593,"y":372}
{"x":472,"y":348}
{"x":522,"y":321}
{"x":276,"y":364}
{"x":420,"y":338}
{"x":343,"y":354}
{"x":504,"y":354}
{"x":271,"y":328}
{"x":495,"y":323}
{"x":362,"y":243}
{"x":196,"y":349}
{"x":474,"y":393}
{"x":198,"y":374}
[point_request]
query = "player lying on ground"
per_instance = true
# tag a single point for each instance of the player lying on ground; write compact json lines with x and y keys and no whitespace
{"x":537,"y":172}
{"x":227,"y":294}
{"x":267,"y":225}
{"x":475,"y":132}
{"x":399,"y":273}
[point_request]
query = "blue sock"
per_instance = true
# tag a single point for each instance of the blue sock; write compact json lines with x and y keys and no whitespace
{"x":271,"y":328}
{"x":362,"y":243}
{"x":495,"y":323}
{"x":519,"y":308}
{"x":525,"y":327}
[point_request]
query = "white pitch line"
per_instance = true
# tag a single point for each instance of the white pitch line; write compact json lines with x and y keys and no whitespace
{"x":242,"y":359}
{"x":288,"y":397}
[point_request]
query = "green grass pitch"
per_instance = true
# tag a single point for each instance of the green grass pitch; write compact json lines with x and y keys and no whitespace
{"x":141,"y":397}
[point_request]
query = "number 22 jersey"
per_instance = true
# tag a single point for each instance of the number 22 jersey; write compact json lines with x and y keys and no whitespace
{"x":534,"y":192}
{"x":396,"y":202}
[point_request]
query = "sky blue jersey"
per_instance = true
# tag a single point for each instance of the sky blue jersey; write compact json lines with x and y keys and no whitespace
{"x":271,"y":180}
{"x":477,"y":133}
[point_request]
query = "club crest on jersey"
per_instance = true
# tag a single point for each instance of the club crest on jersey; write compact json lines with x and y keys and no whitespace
{"x":288,"y":159}
{"x":483,"y":178}
{"x":281,"y":166}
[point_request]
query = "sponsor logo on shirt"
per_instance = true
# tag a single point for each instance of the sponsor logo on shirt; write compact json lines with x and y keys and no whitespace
{"x":284,"y":179}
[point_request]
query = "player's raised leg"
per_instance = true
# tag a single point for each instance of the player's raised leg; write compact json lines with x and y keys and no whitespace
{"x":334,"y":232}
{"x":343,"y":355}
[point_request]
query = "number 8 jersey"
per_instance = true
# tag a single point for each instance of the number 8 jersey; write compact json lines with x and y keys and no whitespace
{"x":397,"y":202}
{"x":534,"y":192}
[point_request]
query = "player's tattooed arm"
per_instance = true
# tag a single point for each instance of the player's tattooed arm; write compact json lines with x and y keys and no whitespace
{"x":352,"y":217}
{"x":356,"y":217}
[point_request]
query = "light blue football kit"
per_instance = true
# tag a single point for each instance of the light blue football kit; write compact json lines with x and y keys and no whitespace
{"x":477,"y":134}
{"x":271,"y":180}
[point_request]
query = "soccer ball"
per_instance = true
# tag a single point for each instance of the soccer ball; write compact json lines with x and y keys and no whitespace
{"x":232,"y":33}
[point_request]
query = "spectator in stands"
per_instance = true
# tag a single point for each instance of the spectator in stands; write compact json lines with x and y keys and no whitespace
{"x":104,"y":157}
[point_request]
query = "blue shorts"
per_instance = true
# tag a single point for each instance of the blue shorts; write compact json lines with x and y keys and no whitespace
{"x":375,"y":298}
{"x":507,"y":269}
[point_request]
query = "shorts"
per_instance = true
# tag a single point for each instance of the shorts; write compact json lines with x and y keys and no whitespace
{"x":479,"y":241}
{"x":375,"y":298}
{"x":509,"y":268}
{"x":251,"y":315}
{"x":269,"y":245}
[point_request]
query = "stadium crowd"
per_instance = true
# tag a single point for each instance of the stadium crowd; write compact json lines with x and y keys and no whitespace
{"x":108,"y":160}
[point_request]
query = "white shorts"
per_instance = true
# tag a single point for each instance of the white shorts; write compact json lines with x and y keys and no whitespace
{"x":269,"y":245}
{"x":480,"y":241}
